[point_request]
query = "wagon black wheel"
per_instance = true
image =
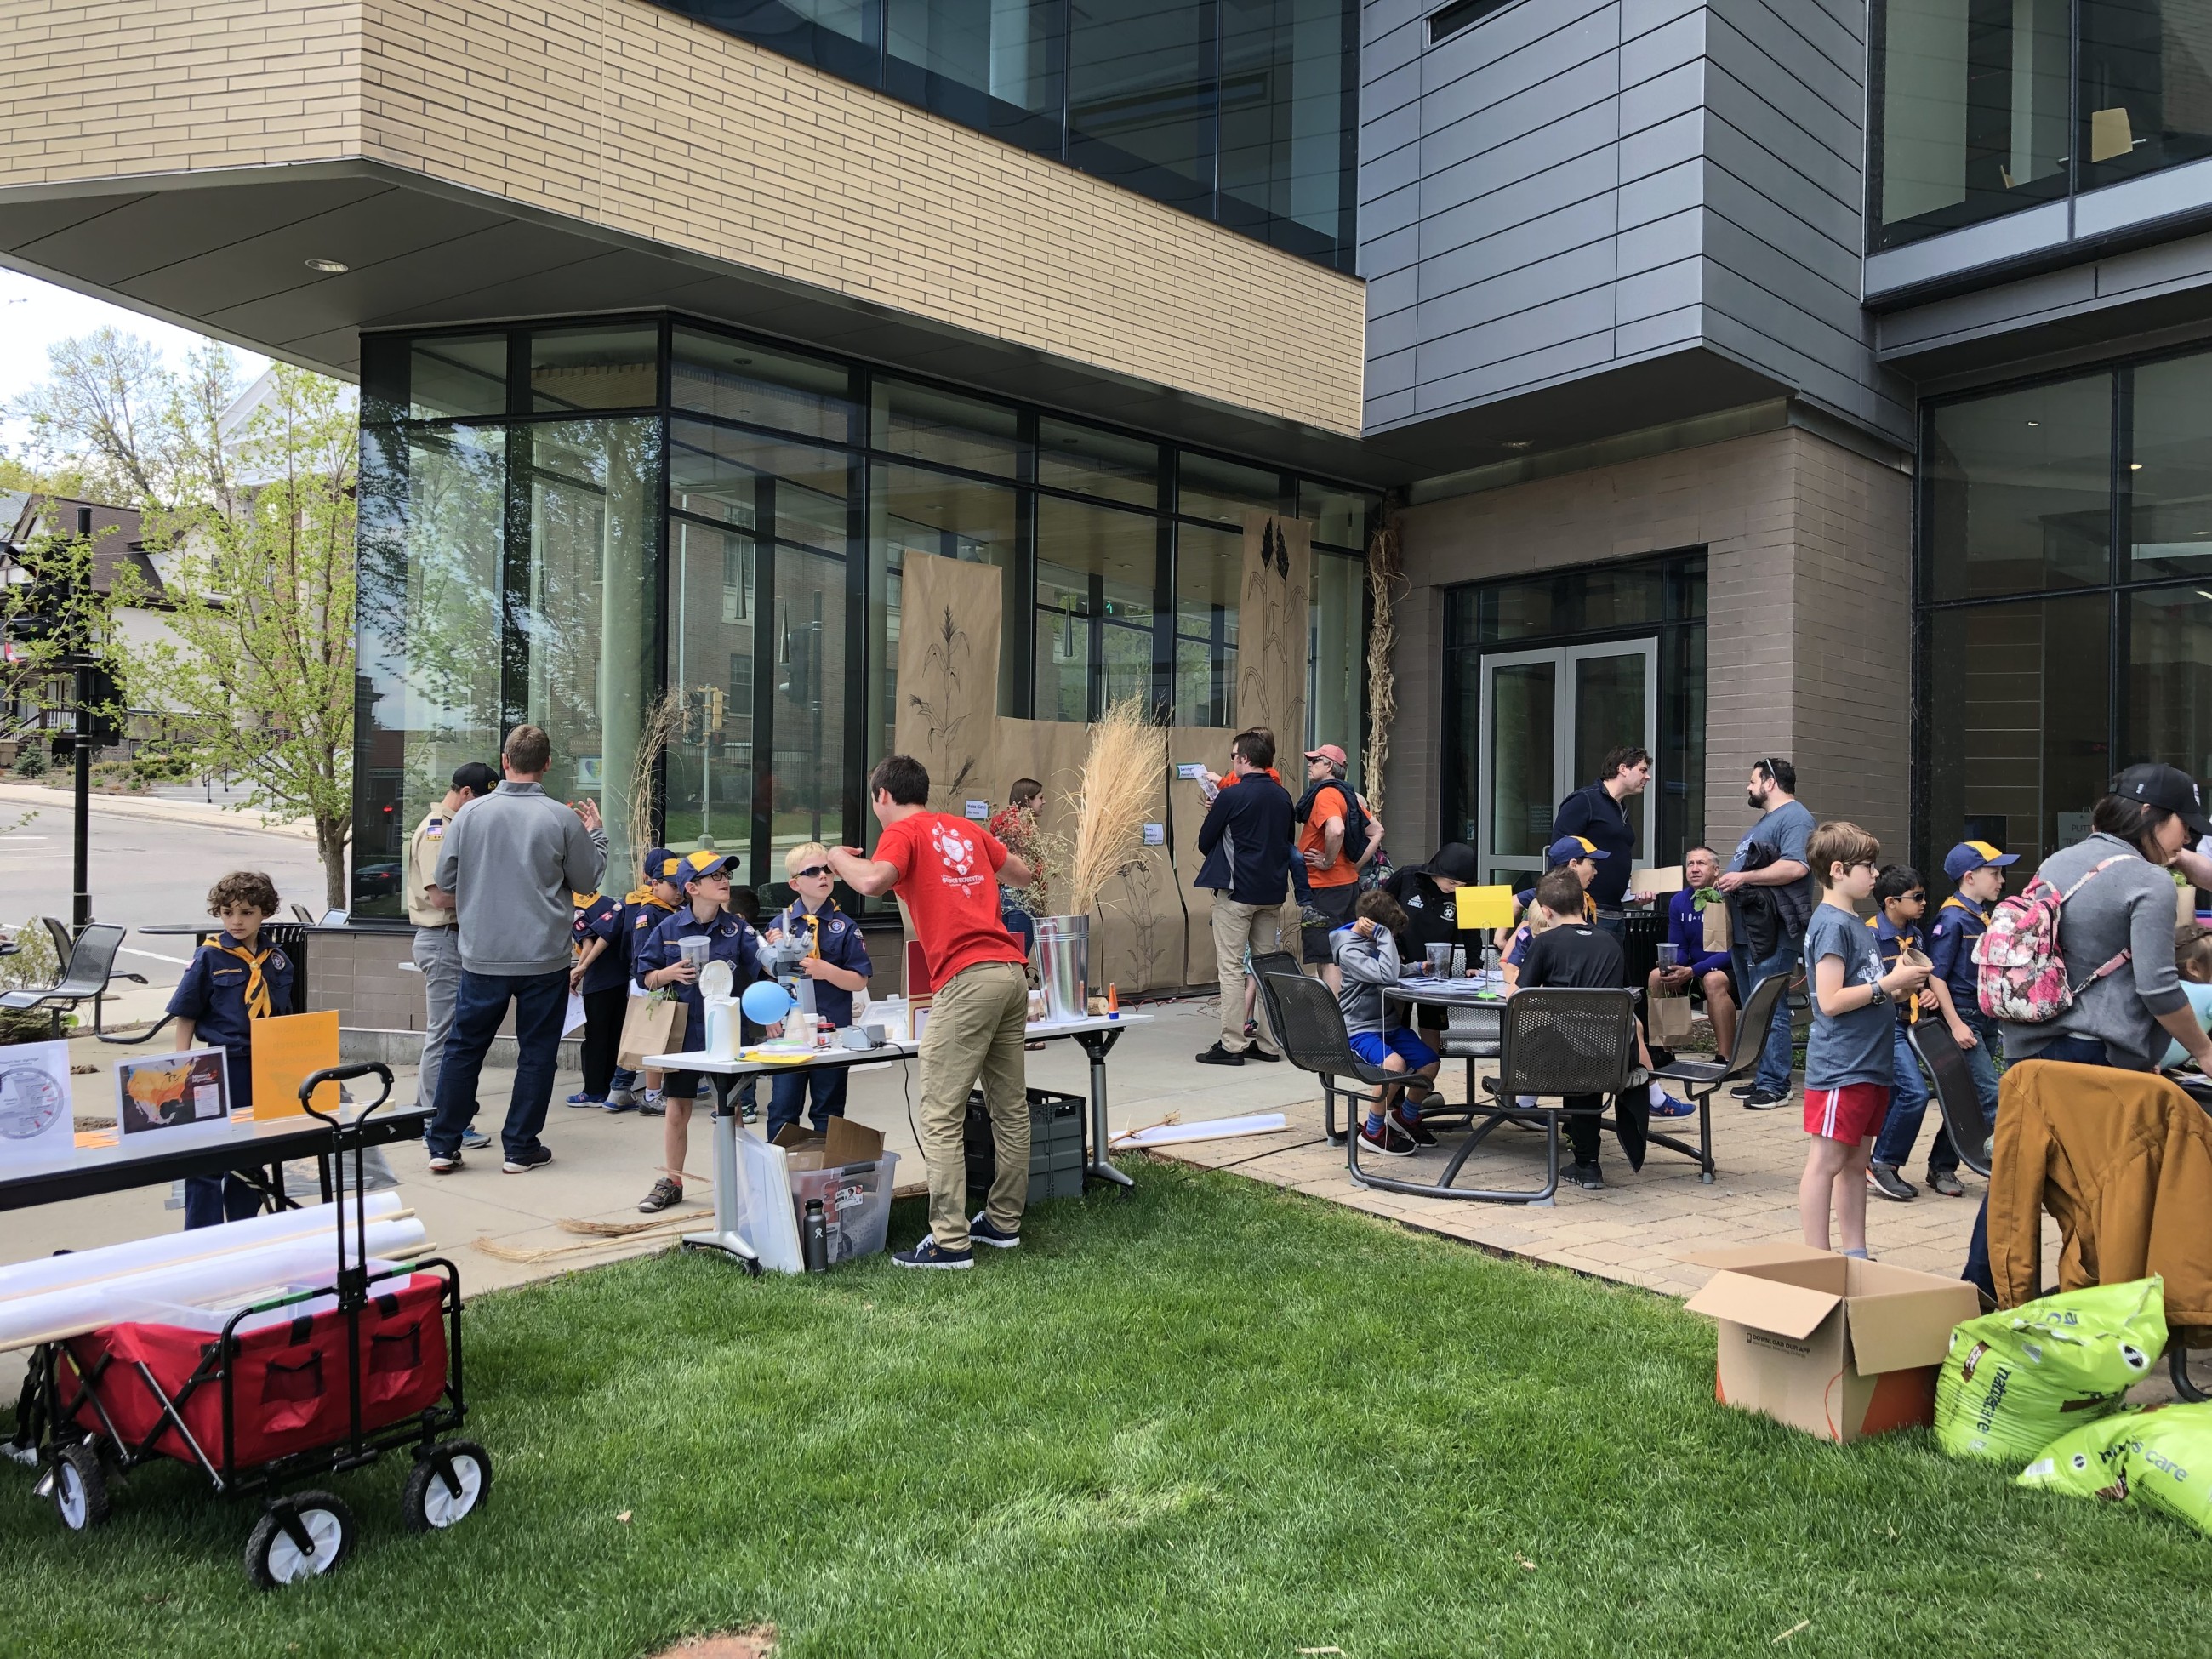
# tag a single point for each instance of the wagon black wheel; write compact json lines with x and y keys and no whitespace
{"x":300,"y":1537}
{"x":752,"y":1266}
{"x":448,"y":1484}
{"x":80,"y":1487}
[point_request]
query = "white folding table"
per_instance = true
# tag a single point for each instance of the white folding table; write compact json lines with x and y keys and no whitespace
{"x":1097,"y":1036}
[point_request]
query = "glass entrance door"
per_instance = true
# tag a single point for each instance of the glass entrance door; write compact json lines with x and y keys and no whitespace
{"x":1548,"y":716}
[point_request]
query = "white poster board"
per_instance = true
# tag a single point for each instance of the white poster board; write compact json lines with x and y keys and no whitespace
{"x":36,"y":1128}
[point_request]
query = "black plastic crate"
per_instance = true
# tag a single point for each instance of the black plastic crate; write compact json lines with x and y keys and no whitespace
{"x":1056,"y":1144}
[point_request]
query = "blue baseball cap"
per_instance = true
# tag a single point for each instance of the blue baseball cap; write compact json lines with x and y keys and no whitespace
{"x":706,"y":862}
{"x":1969,"y":856}
{"x":660,"y":864}
{"x":1568,"y":848}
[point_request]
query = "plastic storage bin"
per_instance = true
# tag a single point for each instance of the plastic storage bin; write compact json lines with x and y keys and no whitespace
{"x":856,"y":1204}
{"x":1057,"y":1130}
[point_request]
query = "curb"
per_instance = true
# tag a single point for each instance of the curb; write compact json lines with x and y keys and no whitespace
{"x":157,"y":809}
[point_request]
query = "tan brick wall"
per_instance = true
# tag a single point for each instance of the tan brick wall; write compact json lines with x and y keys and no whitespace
{"x":1807,"y":649}
{"x":625,"y":116}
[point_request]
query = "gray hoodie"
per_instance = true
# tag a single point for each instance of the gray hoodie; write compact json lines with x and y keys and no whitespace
{"x":510,"y":862}
{"x":1367,"y":964}
{"x":2130,"y":907}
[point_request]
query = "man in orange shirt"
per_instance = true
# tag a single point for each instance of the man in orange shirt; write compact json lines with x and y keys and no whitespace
{"x":1324,"y":814}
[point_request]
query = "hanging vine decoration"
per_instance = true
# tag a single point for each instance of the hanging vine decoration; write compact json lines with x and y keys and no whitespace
{"x":1384,"y":578}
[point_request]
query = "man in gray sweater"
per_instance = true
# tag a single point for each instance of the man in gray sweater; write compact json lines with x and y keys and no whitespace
{"x":510,"y":862}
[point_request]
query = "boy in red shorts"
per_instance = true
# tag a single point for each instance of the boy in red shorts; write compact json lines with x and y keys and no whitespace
{"x":1848,"y":1059}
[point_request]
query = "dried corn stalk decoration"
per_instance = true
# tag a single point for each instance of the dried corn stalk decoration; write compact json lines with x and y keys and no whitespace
{"x":1384,"y":578}
{"x":654,"y":726}
{"x":1119,"y":778}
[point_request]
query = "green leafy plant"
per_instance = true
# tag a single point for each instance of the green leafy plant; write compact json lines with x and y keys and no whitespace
{"x":32,"y":763}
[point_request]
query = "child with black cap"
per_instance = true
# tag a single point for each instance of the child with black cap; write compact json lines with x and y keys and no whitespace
{"x":662,"y":965}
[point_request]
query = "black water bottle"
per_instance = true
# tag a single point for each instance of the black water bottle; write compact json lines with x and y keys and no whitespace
{"x":814,"y":1238}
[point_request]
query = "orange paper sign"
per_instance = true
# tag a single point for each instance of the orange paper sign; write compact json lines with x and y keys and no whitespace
{"x":285,"y":1050}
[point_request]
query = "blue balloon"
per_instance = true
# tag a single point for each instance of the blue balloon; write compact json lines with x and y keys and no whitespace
{"x":765,"y":1002}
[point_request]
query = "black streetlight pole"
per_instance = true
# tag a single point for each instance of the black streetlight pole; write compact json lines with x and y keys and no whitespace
{"x":81,"y":839}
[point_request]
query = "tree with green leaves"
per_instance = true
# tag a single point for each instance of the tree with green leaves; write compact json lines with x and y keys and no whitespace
{"x":251,"y":671}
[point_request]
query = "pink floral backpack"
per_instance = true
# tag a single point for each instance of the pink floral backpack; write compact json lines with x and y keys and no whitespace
{"x":2023,"y":977}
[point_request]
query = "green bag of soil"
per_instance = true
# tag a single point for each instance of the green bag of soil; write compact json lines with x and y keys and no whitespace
{"x":2016,"y":1380}
{"x":2161,"y":1456}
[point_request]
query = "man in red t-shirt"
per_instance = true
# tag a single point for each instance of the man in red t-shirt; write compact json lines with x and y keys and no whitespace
{"x":948,"y":871}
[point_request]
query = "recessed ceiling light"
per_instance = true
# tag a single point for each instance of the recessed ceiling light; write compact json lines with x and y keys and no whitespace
{"x":2134,"y":467}
{"x":2035,"y":423}
{"x":1519,"y":443}
{"x":328,"y":267}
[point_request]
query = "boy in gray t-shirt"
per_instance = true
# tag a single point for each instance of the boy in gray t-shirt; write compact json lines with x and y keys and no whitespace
{"x":1847,"y":1061}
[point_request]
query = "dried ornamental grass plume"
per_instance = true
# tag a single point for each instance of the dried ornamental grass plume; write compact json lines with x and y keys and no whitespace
{"x":1383,"y":578}
{"x":654,"y":727}
{"x":1120,"y":772}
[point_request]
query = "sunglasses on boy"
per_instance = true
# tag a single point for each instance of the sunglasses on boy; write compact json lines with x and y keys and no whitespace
{"x":810,"y":872}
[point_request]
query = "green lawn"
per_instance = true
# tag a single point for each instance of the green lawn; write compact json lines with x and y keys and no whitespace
{"x":1215,"y":1419}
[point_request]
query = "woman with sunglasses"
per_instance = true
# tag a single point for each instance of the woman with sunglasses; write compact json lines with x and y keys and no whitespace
{"x":836,"y":961}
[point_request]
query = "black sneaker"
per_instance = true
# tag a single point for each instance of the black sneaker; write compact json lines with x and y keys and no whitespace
{"x":1217,"y":1055}
{"x":1255,"y":1052}
{"x":524,"y":1161}
{"x":1742,"y":1089}
{"x":1766,"y":1100}
{"x":444,"y":1162}
{"x":1588,"y":1176}
{"x":980,"y":1231}
{"x":665,"y":1193}
{"x":1946,"y":1182}
{"x":1419,"y":1133}
{"x":1884,"y":1179}
{"x":930,"y":1253}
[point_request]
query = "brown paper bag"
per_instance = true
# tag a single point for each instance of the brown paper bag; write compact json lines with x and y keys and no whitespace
{"x":1668,"y":1020}
{"x":2184,"y":911}
{"x":1716,"y":918}
{"x":651,"y":1025}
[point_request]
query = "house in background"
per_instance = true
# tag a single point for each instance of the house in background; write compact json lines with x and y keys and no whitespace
{"x":33,"y":711}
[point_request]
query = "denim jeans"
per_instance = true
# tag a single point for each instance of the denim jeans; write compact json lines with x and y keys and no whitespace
{"x":1908,"y":1109}
{"x":2075,"y":1051}
{"x":211,"y":1200}
{"x":1774,"y":1073}
{"x":825,"y":1082}
{"x":540,"y":1002}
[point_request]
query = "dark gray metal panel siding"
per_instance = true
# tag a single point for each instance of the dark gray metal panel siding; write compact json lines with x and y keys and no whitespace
{"x":1566,"y":186}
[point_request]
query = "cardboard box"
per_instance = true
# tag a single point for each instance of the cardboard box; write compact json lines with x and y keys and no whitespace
{"x":845,"y":1142}
{"x":1835,"y":1347}
{"x":1655,"y":883}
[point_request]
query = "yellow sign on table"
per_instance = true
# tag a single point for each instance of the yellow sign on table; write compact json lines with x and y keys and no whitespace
{"x":1482,"y":908}
{"x":285,"y":1050}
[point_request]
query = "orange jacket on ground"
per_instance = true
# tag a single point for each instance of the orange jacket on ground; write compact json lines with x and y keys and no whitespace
{"x":2123,"y":1161}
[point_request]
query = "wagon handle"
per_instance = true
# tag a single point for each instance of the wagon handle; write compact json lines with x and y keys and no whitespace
{"x":315,"y":1080}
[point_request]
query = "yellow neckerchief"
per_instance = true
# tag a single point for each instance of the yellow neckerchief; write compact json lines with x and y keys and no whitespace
{"x":1874,"y":927}
{"x":257,"y":988}
{"x":646,"y":896}
{"x":1973,"y":910}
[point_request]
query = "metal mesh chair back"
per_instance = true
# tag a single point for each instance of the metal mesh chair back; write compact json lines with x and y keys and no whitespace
{"x":1956,"y":1096}
{"x":1472,"y":1033}
{"x":1266,"y":964}
{"x":63,"y":942}
{"x":1751,"y":1025}
{"x":92,"y":963}
{"x":1310,"y":1029}
{"x":1567,"y":1041}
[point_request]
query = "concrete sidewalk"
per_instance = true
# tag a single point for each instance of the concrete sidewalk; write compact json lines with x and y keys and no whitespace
{"x":603,"y":1162}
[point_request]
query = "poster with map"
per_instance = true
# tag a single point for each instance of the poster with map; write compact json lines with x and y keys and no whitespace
{"x":171,"y":1092}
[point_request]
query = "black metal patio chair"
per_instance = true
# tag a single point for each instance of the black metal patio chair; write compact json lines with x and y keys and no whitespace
{"x":1701,"y":1080}
{"x":1311,"y":1031}
{"x":88,"y":968}
{"x":1956,"y":1098}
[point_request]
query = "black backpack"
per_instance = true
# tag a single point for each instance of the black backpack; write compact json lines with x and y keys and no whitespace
{"x":1355,"y":816}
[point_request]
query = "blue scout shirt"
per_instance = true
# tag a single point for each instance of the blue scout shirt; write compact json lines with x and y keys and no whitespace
{"x":1889,"y":941}
{"x":213,"y":996}
{"x":600,"y":917}
{"x":728,"y":939}
{"x":841,"y":947}
{"x":640,"y":916}
{"x":1950,"y":949}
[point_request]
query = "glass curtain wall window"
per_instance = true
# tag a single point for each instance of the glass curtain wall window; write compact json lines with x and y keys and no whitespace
{"x":564,"y":523}
{"x":1243,"y":112}
{"x":2065,"y":621}
{"x":1982,"y":107}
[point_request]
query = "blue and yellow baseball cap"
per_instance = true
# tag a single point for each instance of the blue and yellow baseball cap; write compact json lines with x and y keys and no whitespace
{"x":1969,"y":856}
{"x":1568,"y":848}
{"x":705,"y":862}
{"x":660,"y":864}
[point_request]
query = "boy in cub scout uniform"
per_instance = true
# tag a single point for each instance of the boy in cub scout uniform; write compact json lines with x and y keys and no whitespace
{"x":235,"y":979}
{"x":644,"y":908}
{"x":838,"y":964}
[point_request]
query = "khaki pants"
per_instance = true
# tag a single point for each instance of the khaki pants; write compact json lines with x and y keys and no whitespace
{"x":1235,"y":927}
{"x":974,"y":1029}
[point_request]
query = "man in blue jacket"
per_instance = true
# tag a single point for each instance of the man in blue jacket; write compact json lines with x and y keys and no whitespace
{"x":1247,"y":843}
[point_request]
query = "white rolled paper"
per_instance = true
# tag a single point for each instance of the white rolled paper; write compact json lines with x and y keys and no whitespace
{"x":233,"y":1277}
{"x":50,"y":1272}
{"x":1220,"y":1128}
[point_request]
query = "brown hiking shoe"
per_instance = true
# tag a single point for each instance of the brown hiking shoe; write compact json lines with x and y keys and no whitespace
{"x":665,"y":1193}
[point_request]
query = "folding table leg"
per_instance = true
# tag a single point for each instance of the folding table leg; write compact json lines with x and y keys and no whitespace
{"x":725,"y":1236}
{"x":1095,"y":1044}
